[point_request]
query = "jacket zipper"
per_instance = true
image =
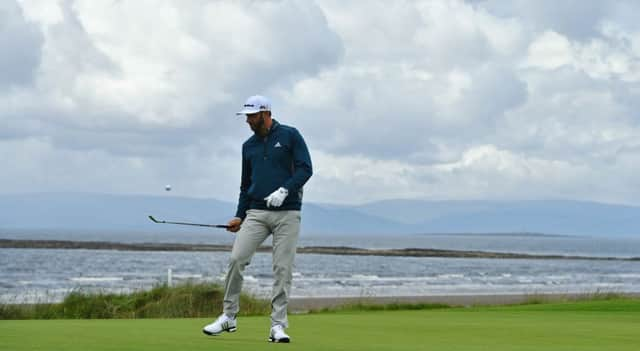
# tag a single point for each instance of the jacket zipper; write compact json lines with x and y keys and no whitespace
{"x":264,"y":144}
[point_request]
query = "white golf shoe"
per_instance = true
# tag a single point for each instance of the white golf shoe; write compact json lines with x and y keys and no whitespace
{"x":222,"y":324}
{"x":277,"y":334}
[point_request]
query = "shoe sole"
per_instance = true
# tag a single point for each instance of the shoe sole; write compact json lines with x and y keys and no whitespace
{"x":283,"y":340}
{"x":230,"y":330}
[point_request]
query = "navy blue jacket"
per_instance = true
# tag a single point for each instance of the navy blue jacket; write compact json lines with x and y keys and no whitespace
{"x":281,"y":159}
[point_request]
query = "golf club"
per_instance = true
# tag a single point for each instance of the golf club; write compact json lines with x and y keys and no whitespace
{"x":185,"y":223}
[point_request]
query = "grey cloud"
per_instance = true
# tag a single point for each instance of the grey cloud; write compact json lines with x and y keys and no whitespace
{"x":371,"y":28}
{"x":112,"y":132}
{"x":403,"y":119}
{"x":291,"y":40}
{"x":77,"y":52}
{"x":574,"y":18}
{"x":376,"y":84}
{"x":572,"y":116}
{"x":294,"y":41}
{"x":624,"y":13}
{"x":495,"y":90}
{"x":384,"y":109}
{"x":408,"y":31}
{"x":21,"y":44}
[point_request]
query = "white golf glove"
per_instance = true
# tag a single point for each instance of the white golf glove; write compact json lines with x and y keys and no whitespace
{"x":277,"y":197}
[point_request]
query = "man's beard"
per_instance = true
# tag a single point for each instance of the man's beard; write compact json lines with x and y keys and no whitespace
{"x":258,"y":128}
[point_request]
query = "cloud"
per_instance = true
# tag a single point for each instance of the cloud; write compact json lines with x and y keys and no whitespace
{"x":21,"y":44}
{"x":123,"y":67}
{"x":410,"y":85}
{"x":427,"y":99}
{"x":612,"y":57}
{"x":574,"y":18}
{"x":141,"y":90}
{"x":478,"y":174}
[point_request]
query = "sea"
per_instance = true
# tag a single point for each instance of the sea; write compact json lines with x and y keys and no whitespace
{"x":47,"y":275}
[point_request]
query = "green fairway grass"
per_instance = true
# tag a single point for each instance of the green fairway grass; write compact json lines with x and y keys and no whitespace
{"x":591,"y":325}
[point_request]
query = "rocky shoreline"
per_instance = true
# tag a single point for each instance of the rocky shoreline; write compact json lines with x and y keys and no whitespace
{"x":324,"y":250}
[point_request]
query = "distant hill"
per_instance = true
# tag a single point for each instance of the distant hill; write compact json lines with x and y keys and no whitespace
{"x":129,"y":212}
{"x":549,"y":217}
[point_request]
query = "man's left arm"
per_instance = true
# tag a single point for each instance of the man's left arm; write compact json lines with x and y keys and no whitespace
{"x":302,"y":169}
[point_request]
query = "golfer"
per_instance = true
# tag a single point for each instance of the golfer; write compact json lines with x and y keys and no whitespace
{"x":275,"y":166}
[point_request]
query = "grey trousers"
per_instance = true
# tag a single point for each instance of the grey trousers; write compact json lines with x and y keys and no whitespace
{"x":256,"y":227}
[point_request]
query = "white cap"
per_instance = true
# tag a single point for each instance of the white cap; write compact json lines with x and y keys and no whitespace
{"x":255,"y":104}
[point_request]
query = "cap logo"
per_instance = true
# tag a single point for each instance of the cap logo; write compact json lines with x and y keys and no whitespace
{"x":254,"y":104}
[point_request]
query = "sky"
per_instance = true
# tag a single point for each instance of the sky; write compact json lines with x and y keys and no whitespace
{"x":433,"y":100}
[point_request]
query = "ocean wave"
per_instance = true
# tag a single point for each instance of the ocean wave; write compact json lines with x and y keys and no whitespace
{"x":186,"y":276}
{"x":95,"y":279}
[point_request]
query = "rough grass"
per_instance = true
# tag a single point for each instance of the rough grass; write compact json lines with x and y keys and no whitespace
{"x":192,"y":300}
{"x":363,"y":306}
{"x":183,"y":301}
{"x":597,"y":295}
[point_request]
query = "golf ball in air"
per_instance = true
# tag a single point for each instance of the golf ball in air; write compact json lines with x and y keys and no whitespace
{"x":167,"y":187}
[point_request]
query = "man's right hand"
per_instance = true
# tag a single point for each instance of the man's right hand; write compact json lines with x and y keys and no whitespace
{"x":234,"y":224}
